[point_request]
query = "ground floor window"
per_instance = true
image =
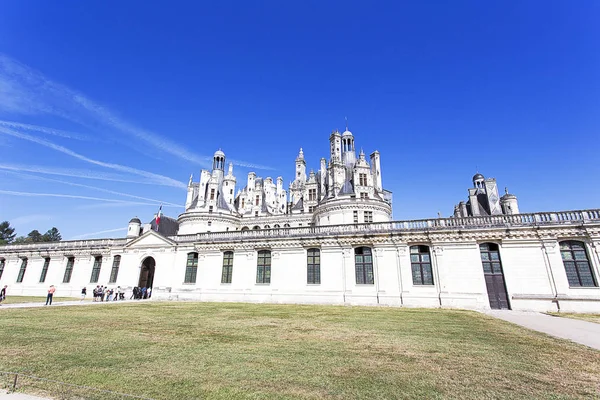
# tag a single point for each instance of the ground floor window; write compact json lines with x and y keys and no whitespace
{"x":263,"y":267}
{"x":577,"y":264}
{"x":69,"y":270}
{"x":227,"y":267}
{"x":191,"y":268}
{"x":45,"y":270}
{"x":96,"y":269}
{"x":363,"y":264}
{"x":22,"y":270}
{"x":420,"y":261}
{"x":115,"y":269}
{"x":313,"y":264}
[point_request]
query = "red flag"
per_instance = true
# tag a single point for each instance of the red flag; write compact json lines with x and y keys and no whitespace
{"x":158,"y":217}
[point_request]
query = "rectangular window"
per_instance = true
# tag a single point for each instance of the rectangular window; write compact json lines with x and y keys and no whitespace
{"x":210,"y":209}
{"x":256,"y":213}
{"x":230,"y":191}
{"x":363,"y":262}
{"x":362,"y":179}
{"x":227,"y":267}
{"x":257,"y":199}
{"x":368,"y":216}
{"x":312,"y":194}
{"x":191,"y":268}
{"x":420,"y":261}
{"x":96,"y":269}
{"x":355,"y":214}
{"x":22,"y":271}
{"x":243,"y":202}
{"x":263,"y":267}
{"x":364,"y":195}
{"x":313,"y":265}
{"x":577,"y":264}
{"x":311,"y":208}
{"x":212,"y":194}
{"x":2,"y":262}
{"x":69,"y":270}
{"x":114,"y":272}
{"x":45,"y":270}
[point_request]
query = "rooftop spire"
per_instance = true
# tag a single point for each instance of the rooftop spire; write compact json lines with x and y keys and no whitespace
{"x":346,"y":118}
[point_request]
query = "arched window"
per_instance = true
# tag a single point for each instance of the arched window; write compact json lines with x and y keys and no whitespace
{"x":313,"y":264}
{"x":22,"y":270}
{"x":69,"y":270}
{"x":96,"y":269}
{"x":227,"y":267}
{"x":256,"y":227}
{"x":420,"y":262}
{"x":276,"y":226}
{"x":245,"y":228}
{"x":263,"y":267}
{"x":267,"y":227}
{"x":577,"y":264}
{"x":45,"y":270}
{"x":363,"y":264}
{"x":191,"y":268}
{"x":115,"y":269}
{"x":286,"y":225}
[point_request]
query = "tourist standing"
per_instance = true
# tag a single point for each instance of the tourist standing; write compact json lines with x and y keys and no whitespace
{"x":3,"y":294}
{"x":50,"y":295}
{"x":83,"y":293}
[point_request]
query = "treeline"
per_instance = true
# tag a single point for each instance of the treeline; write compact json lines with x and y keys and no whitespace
{"x":8,"y":235}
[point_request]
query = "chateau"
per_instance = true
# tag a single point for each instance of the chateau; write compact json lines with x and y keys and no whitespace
{"x":330,"y":239}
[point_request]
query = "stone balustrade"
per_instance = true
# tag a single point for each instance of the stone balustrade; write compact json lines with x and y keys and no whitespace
{"x":576,"y":217}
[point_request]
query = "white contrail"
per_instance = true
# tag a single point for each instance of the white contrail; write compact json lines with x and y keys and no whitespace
{"x":98,"y":189}
{"x":159,"y":178}
{"x":27,"y":91}
{"x":76,"y":173}
{"x":43,"y":129}
{"x":85,"y":235}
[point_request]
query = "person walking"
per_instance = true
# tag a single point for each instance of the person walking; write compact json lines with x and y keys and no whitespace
{"x":83,"y":293}
{"x":50,"y":295}
{"x":3,"y":294}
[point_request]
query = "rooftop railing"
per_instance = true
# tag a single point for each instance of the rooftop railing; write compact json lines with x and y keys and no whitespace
{"x":492,"y":221}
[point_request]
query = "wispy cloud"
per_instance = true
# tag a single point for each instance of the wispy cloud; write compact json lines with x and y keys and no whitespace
{"x":43,"y":129}
{"x":27,"y":219}
{"x":76,"y":173}
{"x":158,"y":178}
{"x":166,"y":203}
{"x":73,"y":196}
{"x":26,"y":91}
{"x":87,"y":235}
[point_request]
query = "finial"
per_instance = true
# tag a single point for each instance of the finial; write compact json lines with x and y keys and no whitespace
{"x":439,"y":214}
{"x":191,"y":177}
{"x":301,"y":153}
{"x":346,"y":118}
{"x":505,"y":190}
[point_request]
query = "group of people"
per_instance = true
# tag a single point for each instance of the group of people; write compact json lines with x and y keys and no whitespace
{"x":104,"y":293}
{"x":141,"y":293}
{"x":49,"y":297}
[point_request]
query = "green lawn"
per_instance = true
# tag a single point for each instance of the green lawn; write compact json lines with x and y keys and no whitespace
{"x":585,"y":317}
{"x":37,"y":299}
{"x":184,"y":350}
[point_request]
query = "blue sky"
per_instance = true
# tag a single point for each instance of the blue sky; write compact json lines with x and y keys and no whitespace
{"x":109,"y":106}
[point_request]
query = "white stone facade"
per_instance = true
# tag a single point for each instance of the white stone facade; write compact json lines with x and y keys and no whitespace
{"x":328,"y":254}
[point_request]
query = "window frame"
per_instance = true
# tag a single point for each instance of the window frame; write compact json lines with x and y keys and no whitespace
{"x":69,"y":269}
{"x":368,"y":216}
{"x":363,"y":270}
{"x":22,"y":269}
{"x":96,"y":269}
{"x":578,"y":268}
{"x":114,"y":271}
{"x":263,"y":270}
{"x":421,"y":264}
{"x":227,"y":273}
{"x":191,"y":268}
{"x":45,"y":269}
{"x":313,"y":266}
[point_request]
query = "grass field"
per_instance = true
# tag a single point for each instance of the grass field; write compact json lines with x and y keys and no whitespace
{"x":183,"y":350}
{"x":585,"y":317}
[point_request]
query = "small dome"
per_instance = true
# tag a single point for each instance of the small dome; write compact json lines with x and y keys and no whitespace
{"x":508,"y":196}
{"x":135,"y":220}
{"x":346,"y":133}
{"x":478,"y":177}
{"x":219,"y":153}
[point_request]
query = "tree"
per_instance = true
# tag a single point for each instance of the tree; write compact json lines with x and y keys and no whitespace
{"x":34,"y":236}
{"x":53,"y":235}
{"x":7,"y":234}
{"x":21,"y":239}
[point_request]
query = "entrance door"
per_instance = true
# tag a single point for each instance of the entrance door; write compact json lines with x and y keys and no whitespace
{"x":494,"y":276}
{"x":147,"y":273}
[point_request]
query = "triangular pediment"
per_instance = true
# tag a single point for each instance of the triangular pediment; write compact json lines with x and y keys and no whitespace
{"x":151,"y":239}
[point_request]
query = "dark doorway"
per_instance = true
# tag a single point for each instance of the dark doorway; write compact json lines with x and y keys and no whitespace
{"x":147,"y":273}
{"x":494,"y":276}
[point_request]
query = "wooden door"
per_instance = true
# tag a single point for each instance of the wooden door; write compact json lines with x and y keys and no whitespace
{"x":494,"y":276}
